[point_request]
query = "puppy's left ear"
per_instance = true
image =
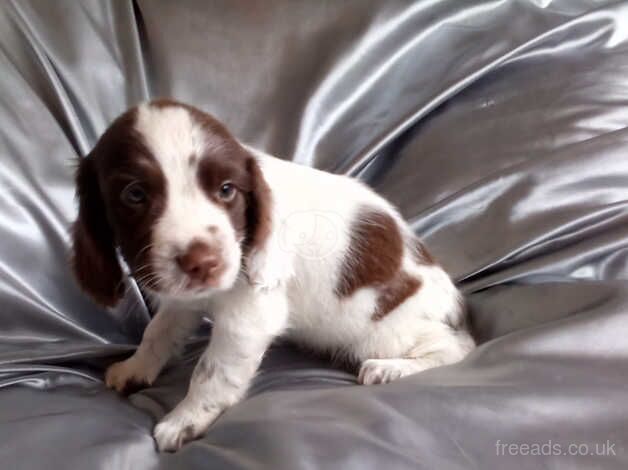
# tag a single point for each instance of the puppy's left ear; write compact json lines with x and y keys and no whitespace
{"x":266,"y":265}
{"x":259,"y":209}
{"x":94,"y":258}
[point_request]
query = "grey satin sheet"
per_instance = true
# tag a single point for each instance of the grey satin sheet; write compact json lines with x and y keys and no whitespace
{"x":499,"y":129}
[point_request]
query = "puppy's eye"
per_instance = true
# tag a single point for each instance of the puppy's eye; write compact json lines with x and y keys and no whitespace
{"x":133,"y":195}
{"x":227,"y":192}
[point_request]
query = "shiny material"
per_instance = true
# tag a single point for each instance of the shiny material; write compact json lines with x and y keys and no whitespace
{"x":498,"y":127}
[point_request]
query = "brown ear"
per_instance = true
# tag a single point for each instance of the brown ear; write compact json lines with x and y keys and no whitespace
{"x":94,"y":259}
{"x":259,"y":212}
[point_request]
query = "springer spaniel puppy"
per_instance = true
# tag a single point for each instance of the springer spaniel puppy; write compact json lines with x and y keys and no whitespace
{"x":264,"y":247}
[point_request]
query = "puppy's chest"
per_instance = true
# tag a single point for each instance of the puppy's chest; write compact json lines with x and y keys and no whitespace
{"x":310,"y":300}
{"x":319,"y":318}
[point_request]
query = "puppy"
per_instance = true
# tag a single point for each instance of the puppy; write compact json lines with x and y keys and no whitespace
{"x":264,"y":247}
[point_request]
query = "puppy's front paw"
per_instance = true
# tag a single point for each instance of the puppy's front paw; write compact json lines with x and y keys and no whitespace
{"x":181,"y":425}
{"x":129,"y":375}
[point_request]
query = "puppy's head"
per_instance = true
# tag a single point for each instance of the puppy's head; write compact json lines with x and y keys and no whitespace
{"x":177,"y":194}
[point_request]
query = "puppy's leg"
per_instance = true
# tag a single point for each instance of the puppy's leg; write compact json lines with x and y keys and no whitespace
{"x":242,"y":332}
{"x":439,"y":345}
{"x":163,"y":337}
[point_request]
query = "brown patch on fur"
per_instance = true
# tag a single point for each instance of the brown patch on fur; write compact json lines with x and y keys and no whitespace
{"x":394,"y":293}
{"x":94,"y":260}
{"x":250,"y":208}
{"x":375,"y":252}
{"x":374,"y":260}
{"x":119,"y":158}
{"x":259,"y":216}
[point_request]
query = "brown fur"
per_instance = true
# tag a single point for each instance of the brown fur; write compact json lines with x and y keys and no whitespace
{"x":392,"y":294}
{"x":94,"y":257}
{"x":105,"y":221}
{"x":374,"y":260}
{"x":259,"y":217}
{"x":376,"y":248}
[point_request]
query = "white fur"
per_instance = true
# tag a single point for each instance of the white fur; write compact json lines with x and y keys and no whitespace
{"x":293,"y":286}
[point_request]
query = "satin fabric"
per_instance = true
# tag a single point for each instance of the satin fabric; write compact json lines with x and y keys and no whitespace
{"x":497,"y":127}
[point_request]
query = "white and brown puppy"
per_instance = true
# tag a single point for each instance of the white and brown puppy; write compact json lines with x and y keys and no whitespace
{"x":262,"y":246}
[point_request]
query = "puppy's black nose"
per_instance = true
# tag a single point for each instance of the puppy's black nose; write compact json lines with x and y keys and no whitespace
{"x":199,"y":262}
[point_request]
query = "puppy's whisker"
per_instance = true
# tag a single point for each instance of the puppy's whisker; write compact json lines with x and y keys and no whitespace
{"x":149,"y":278}
{"x":147,"y":247}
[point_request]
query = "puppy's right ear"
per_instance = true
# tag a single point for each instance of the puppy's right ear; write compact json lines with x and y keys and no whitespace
{"x":94,"y":259}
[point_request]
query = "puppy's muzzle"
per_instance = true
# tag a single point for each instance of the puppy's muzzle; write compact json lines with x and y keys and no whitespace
{"x":201,"y":263}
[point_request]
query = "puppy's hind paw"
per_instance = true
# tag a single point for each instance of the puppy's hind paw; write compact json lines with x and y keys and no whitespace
{"x":381,"y":371}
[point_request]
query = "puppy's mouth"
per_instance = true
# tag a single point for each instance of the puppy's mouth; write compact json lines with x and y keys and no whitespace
{"x":198,"y":270}
{"x":181,"y":285}
{"x":196,"y":283}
